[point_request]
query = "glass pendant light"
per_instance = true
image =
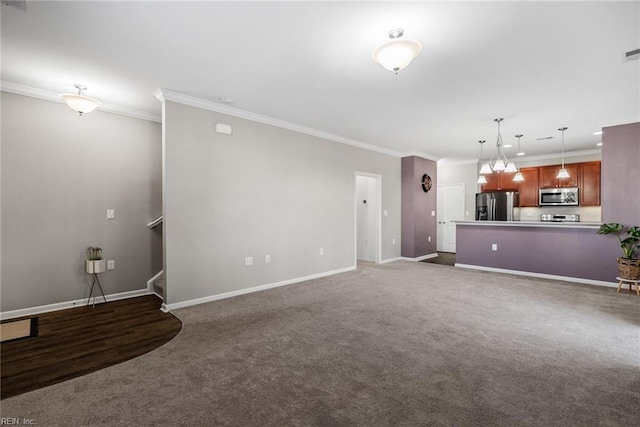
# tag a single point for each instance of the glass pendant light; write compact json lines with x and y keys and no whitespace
{"x":485,"y":166}
{"x":562,"y":173}
{"x":518,"y":176}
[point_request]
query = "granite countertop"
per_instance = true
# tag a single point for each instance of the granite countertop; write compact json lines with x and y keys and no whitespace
{"x":585,"y":224}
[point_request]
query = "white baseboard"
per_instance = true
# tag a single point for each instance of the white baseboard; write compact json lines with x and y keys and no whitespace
{"x":168,"y":307}
{"x":68,"y":304}
{"x":540,"y":275}
{"x":385,"y":261}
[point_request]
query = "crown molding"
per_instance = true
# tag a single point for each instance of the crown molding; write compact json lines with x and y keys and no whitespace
{"x":55,"y":97}
{"x":169,"y":95}
{"x":567,"y":154}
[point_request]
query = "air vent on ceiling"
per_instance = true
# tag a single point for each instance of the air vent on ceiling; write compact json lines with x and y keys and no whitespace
{"x":544,"y":138}
{"x":632,"y":54}
{"x":20,"y":4}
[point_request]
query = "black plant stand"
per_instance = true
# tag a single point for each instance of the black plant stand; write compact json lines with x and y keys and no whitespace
{"x":95,"y":280}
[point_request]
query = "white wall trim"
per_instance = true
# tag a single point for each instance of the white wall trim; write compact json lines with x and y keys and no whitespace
{"x":69,"y":304}
{"x":420,"y":258}
{"x":55,"y":97}
{"x":169,"y":307}
{"x":539,"y":275}
{"x":168,"y":95}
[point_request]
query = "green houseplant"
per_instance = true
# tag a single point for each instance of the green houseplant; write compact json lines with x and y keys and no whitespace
{"x":628,"y":266}
{"x":95,"y":263}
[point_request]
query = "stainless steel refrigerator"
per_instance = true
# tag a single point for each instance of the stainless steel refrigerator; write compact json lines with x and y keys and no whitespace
{"x":498,"y":206}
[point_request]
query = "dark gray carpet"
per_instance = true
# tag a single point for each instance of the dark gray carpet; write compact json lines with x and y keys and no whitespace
{"x":399,"y":344}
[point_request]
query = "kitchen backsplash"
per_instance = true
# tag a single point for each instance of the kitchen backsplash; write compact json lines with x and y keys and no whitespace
{"x":587,"y":213}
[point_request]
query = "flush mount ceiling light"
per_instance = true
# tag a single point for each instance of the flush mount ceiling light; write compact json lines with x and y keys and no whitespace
{"x":397,"y":53}
{"x":501,"y":163}
{"x":518,"y":176}
{"x":80,"y":103}
{"x":562,"y":173}
{"x":482,"y":179}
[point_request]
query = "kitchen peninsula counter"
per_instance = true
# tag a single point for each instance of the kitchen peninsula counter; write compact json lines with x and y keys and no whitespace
{"x":571,"y":251}
{"x":590,"y":225}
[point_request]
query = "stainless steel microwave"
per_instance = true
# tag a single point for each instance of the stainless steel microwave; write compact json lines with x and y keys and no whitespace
{"x":559,"y":196}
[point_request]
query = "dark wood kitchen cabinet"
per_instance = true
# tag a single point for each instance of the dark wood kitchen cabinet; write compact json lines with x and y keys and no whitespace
{"x":589,"y":184}
{"x":499,"y":182}
{"x":547,"y":176}
{"x":529,"y":188}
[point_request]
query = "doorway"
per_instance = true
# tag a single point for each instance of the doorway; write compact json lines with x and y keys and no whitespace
{"x":450,"y":205}
{"x":367,"y":217}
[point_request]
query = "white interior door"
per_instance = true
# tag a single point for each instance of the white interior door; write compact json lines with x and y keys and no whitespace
{"x":367,"y":199}
{"x":450,"y":208}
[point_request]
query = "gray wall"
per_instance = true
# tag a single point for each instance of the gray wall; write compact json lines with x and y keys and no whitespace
{"x":262,"y":190}
{"x":621,"y":174}
{"x":60,"y":173}
{"x":417,"y":222}
{"x":467,"y":174}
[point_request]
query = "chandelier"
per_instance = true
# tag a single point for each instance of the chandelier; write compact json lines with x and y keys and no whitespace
{"x":397,"y":53}
{"x":501,"y":163}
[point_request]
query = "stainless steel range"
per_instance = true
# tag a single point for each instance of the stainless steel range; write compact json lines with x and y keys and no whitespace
{"x":559,"y":218}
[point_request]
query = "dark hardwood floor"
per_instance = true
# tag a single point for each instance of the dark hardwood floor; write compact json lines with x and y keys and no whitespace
{"x":443,"y":258}
{"x":80,"y":340}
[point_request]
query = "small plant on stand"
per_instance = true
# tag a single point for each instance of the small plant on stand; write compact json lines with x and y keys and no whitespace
{"x":628,"y":266}
{"x":95,"y":263}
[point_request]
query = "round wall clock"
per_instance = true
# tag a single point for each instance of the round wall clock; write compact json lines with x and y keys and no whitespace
{"x":426,"y":182}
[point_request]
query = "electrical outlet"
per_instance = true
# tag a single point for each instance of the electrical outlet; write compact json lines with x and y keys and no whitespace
{"x":433,"y":213}
{"x":111,"y":264}
{"x":111,"y":213}
{"x":248,"y":261}
{"x":393,"y":241}
{"x":385,"y":212}
{"x":429,"y":239}
{"x":494,"y":246}
{"x":267,"y":258}
{"x":321,"y":251}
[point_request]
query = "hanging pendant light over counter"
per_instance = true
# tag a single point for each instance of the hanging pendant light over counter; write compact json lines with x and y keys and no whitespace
{"x":562,"y":173}
{"x":501,"y":163}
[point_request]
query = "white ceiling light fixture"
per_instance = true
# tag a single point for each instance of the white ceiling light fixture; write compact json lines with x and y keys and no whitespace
{"x":562,"y":173}
{"x":518,"y":176}
{"x":397,"y":53}
{"x":501,"y":163}
{"x":482,"y":179}
{"x":80,"y":103}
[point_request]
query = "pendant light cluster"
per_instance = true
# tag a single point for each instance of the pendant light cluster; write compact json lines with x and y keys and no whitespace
{"x":502,"y":164}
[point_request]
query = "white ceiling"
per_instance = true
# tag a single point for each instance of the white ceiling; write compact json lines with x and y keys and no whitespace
{"x":539,"y":65}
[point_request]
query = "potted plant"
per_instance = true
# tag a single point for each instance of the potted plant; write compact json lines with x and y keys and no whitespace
{"x":95,"y":263}
{"x":628,"y":266}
